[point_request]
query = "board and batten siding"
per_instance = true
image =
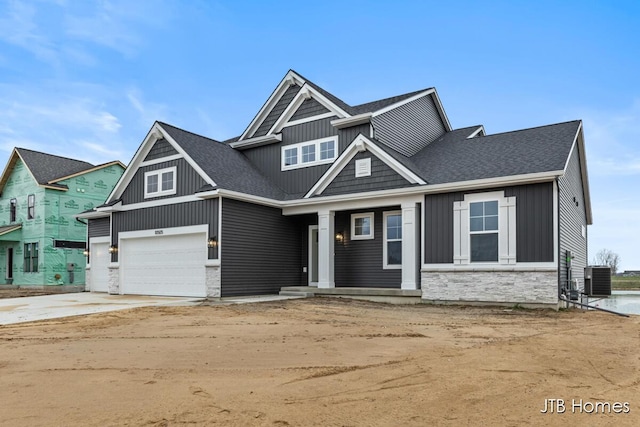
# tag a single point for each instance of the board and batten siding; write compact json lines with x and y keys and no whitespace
{"x":161,"y":148}
{"x":534,"y":223}
{"x":309,"y":108}
{"x":382,"y":178}
{"x":168,"y":216}
{"x":358,"y":263}
{"x":410,"y":127}
{"x":277,"y":110}
{"x":260,"y":249}
{"x":572,"y":218}
{"x":188,"y":181}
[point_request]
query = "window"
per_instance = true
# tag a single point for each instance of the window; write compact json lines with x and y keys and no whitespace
{"x":31,"y":257}
{"x":392,"y":249}
{"x":160,"y":183}
{"x":362,"y":226}
{"x":483,"y":230}
{"x":309,"y":153}
{"x":12,"y":210}
{"x":31,"y":206}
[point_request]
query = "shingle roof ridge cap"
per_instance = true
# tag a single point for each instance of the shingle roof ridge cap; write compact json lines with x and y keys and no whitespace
{"x":187,"y":131}
{"x":54,"y":155}
{"x":531,"y":128}
{"x":407,"y":94}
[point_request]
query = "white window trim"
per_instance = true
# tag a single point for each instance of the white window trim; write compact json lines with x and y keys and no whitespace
{"x":506,"y":229}
{"x":481,"y":232}
{"x":369,"y":236}
{"x":317,"y":161}
{"x":385,"y":265}
{"x":159,"y":173}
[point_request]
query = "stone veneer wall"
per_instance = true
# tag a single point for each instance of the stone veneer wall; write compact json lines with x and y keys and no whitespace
{"x":524,"y":287}
{"x":114,"y":280}
{"x":213,"y":281}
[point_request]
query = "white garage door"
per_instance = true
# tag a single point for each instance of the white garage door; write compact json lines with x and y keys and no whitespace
{"x":164,"y":265}
{"x":99,"y":259}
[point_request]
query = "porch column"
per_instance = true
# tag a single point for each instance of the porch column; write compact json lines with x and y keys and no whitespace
{"x":326,"y":240}
{"x":409,"y":246}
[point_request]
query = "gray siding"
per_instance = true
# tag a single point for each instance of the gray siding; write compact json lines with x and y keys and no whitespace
{"x":188,"y":181}
{"x":99,"y":227}
{"x":358,"y":263}
{"x":161,"y":148}
{"x":168,"y":216}
{"x":410,"y":127}
{"x":572,"y":218}
{"x":268,"y":158}
{"x":534,"y":223}
{"x":261,"y":249}
{"x":382,"y":178}
{"x":277,"y":110}
{"x":309,"y":108}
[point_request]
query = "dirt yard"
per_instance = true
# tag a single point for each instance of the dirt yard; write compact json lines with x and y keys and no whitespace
{"x":322,"y":362}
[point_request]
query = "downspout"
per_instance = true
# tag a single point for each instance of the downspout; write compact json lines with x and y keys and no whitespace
{"x":559,"y":254}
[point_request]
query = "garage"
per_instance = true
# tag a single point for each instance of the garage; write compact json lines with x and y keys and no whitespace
{"x":168,"y":265}
{"x":99,"y":262}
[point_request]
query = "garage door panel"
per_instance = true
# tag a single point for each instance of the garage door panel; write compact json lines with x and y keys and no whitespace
{"x":164,"y":265}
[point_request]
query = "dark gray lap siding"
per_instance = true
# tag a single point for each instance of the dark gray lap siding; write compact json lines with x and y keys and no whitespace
{"x":534,"y":223}
{"x":358,"y":263}
{"x":260,"y":249}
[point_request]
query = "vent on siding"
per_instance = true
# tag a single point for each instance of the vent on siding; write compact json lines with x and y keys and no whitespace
{"x":363,"y":167}
{"x":597,"y":281}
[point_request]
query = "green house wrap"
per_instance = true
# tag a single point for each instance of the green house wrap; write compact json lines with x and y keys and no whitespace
{"x":41,"y":241}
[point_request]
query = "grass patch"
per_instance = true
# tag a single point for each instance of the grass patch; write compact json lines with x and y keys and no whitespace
{"x":623,"y":283}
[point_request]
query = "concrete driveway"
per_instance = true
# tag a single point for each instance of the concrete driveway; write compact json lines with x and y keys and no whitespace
{"x":28,"y":309}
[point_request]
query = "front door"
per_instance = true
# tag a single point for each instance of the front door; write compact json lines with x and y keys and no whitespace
{"x":313,"y":255}
{"x":9,"y":263}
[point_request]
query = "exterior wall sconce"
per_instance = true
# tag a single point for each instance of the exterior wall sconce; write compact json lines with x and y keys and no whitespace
{"x":85,"y":252}
{"x":113,"y":249}
{"x":213,"y":242}
{"x":339,"y":237}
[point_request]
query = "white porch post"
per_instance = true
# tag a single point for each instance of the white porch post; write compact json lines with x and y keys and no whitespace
{"x":409,"y":246}
{"x":326,"y":240}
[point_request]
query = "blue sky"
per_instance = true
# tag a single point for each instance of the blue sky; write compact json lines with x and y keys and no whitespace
{"x":87,"y":79}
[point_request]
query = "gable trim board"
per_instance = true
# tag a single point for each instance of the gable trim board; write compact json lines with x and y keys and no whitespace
{"x":98,"y":167}
{"x":361,"y":143}
{"x":309,"y":119}
{"x":257,"y":141}
{"x":578,"y":144}
{"x":155,"y":133}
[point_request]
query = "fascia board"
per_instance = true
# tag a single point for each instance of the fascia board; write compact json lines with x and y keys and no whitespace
{"x":476,"y":132}
{"x":578,"y":142}
{"x":304,"y":93}
{"x":92,"y":215}
{"x":443,"y":114}
{"x":257,"y":142}
{"x":290,"y":77}
{"x":403,"y":102}
{"x":93,"y":169}
{"x":8,"y":168}
{"x":351,"y":121}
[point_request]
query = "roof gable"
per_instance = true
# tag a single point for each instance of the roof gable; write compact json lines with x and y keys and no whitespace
{"x":45,"y":169}
{"x":362,"y":144}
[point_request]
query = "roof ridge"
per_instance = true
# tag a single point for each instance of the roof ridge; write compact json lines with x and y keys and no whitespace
{"x":530,"y":128}
{"x":188,"y":131}
{"x":53,"y":155}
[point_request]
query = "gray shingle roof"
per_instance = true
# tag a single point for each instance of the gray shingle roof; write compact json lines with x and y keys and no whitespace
{"x":229,"y":168}
{"x":47,"y":167}
{"x":454,"y":158}
{"x":371,"y":107}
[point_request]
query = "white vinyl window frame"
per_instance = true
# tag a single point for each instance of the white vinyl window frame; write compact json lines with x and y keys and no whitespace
{"x":309,"y":153}
{"x":506,"y":228}
{"x":355,"y":227}
{"x":387,"y":239}
{"x":159,"y":175}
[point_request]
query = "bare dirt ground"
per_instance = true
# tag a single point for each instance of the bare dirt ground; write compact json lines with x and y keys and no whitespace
{"x":321,"y":362}
{"x":17,"y":293}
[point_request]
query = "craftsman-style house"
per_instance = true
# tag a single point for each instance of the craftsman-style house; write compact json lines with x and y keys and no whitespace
{"x":41,"y":243}
{"x":316,"y":192}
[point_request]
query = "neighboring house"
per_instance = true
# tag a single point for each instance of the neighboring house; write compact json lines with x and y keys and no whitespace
{"x":316,"y":192}
{"x":39,"y":196}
